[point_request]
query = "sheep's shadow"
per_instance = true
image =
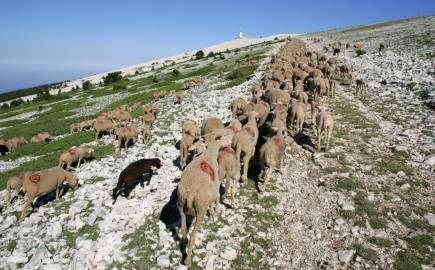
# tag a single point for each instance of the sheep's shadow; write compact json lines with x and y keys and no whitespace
{"x":170,"y":216}
{"x":145,"y":179}
{"x":304,"y":140}
{"x":49,"y":197}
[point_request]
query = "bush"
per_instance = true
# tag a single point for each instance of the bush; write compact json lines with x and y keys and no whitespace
{"x":112,"y":77}
{"x":199,"y":55}
{"x":210,"y":54}
{"x":175,"y":72}
{"x":42,"y":95}
{"x":236,"y":73}
{"x":360,"y":52}
{"x":120,"y":85}
{"x":16,"y":102}
{"x":5,"y":106}
{"x":86,"y":85}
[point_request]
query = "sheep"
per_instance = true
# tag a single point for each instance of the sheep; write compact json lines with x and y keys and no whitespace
{"x":3,"y":149}
{"x":46,"y":181}
{"x":297,"y":115}
{"x":360,"y":86}
{"x":229,"y":169}
{"x":245,"y":140}
{"x":132,"y":173}
{"x":127,"y":134}
{"x":198,"y":188}
{"x":187,"y":140}
{"x":190,"y":127}
{"x":41,"y":137}
{"x":14,"y":142}
{"x":103,"y":125}
{"x":150,"y":114}
{"x":332,"y":87}
{"x":279,"y":97}
{"x":257,"y":93}
{"x":263,"y":110}
{"x":15,"y":183}
{"x":87,"y":124}
{"x":75,"y":155}
{"x":315,"y":108}
{"x":211,"y":124}
{"x":302,"y":97}
{"x":325,"y":124}
{"x":75,"y":127}
{"x":271,"y":155}
{"x":178,"y":97}
{"x":238,"y":107}
{"x":146,"y":133}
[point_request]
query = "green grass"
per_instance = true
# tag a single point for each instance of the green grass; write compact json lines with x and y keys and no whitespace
{"x":346,"y":184}
{"x":11,"y":123}
{"x":381,"y":242}
{"x":11,"y":245}
{"x":364,"y":206}
{"x":415,"y":224}
{"x":421,"y":243}
{"x":378,"y":223}
{"x":408,"y":260}
{"x":365,"y":253}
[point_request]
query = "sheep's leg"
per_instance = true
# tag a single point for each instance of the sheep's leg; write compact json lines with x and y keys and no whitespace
{"x":227,"y":187}
{"x":57,"y":192}
{"x":183,"y":227}
{"x":24,"y":211}
{"x":191,"y":243}
{"x":78,"y":163}
{"x":233,"y":190}
{"x":266,"y":176}
{"x":328,"y":137}
{"x":246,"y":160}
{"x":319,"y":135}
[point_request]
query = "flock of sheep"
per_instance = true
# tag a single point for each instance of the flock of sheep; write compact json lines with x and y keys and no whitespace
{"x":296,"y":79}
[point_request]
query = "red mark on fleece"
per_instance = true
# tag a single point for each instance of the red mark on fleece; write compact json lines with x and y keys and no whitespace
{"x":72,"y":152}
{"x":233,"y":129}
{"x":264,"y":103}
{"x":35,"y":177}
{"x":205,"y":167}
{"x":250,"y":131}
{"x":277,"y":142}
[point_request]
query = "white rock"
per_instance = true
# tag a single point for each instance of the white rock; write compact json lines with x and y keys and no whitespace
{"x":348,"y":205}
{"x":93,"y":217}
{"x":163,"y":261}
{"x":430,"y":161}
{"x":10,"y":220}
{"x":52,"y":267}
{"x":229,"y":254}
{"x":401,"y":174}
{"x":18,"y":257}
{"x":371,"y":196}
{"x":430,"y":218}
{"x":39,"y":254}
{"x":346,"y":255}
{"x":55,"y":229}
{"x":405,"y":186}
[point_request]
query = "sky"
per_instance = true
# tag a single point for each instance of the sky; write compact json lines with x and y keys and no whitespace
{"x":50,"y":40}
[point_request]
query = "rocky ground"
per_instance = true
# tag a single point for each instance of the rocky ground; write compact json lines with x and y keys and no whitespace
{"x":367,"y":203}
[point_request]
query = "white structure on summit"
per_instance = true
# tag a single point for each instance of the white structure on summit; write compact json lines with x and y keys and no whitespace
{"x":240,"y":34}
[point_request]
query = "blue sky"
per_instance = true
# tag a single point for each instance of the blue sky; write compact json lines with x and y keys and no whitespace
{"x":45,"y":41}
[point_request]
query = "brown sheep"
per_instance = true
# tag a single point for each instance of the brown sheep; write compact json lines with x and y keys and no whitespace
{"x":229,"y":169}
{"x":75,"y":155}
{"x":198,"y":189}
{"x":46,"y":181}
{"x":263,"y":110}
{"x":190,"y":127}
{"x":150,"y":114}
{"x":87,"y":124}
{"x":186,"y":143}
{"x":245,"y":141}
{"x":361,"y":85}
{"x":315,"y":108}
{"x":75,"y":127}
{"x":178,"y":97}
{"x":297,"y":115}
{"x":332,"y":87}
{"x":15,"y":183}
{"x":103,"y":125}
{"x":325,"y":124}
{"x":279,"y":97}
{"x":271,"y":155}
{"x":238,"y":107}
{"x":14,"y":142}
{"x":133,"y":173}
{"x":211,"y":124}
{"x":302,"y":97}
{"x":146,"y":133}
{"x":127,"y":134}
{"x":41,"y":137}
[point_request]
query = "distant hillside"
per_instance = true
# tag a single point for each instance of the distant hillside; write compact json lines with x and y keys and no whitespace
{"x":27,"y":91}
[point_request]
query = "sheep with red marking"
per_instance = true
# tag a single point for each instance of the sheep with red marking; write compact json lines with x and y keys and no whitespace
{"x":198,"y":189}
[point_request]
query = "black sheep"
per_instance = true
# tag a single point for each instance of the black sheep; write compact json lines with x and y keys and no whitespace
{"x":3,"y":149}
{"x":134,"y":173}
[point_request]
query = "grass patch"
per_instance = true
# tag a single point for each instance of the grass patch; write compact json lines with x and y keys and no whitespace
{"x":415,"y":224}
{"x":408,"y":260}
{"x":421,"y":243}
{"x":366,"y":253}
{"x":378,"y":223}
{"x":346,"y":184}
{"x":12,"y":245}
{"x":364,"y":206}
{"x":381,"y":242}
